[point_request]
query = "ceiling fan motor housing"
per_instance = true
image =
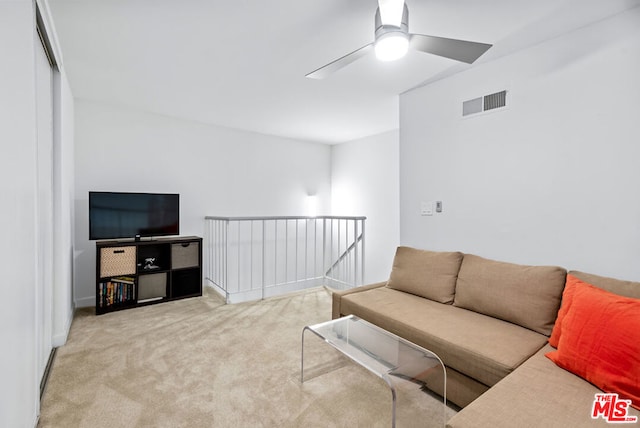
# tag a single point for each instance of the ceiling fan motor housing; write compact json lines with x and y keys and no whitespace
{"x":391,"y":41}
{"x":382,"y":29}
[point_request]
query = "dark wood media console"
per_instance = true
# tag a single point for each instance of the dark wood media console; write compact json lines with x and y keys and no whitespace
{"x":133,"y":273}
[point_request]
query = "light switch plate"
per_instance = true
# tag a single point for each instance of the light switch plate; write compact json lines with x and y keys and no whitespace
{"x":426,"y":208}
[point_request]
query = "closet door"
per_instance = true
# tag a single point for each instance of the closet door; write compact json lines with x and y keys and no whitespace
{"x":44,"y":217}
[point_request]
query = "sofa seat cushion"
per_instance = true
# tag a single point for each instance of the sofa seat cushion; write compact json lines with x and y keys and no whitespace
{"x":536,"y":394}
{"x":481,"y":347}
{"x":525,"y":295}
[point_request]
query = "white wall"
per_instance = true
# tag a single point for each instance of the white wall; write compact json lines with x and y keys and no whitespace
{"x":19,"y":394}
{"x":217,"y":171}
{"x":18,"y":190}
{"x":365,"y":181}
{"x":554,"y":178}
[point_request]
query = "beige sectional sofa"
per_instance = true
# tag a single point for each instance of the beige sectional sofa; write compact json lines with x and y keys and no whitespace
{"x":489,"y":322}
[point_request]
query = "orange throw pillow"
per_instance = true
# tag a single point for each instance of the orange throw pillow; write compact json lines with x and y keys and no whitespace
{"x":567,"y":296}
{"x":600,"y":341}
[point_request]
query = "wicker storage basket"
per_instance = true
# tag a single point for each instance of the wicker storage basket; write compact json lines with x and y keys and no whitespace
{"x":117,"y":261}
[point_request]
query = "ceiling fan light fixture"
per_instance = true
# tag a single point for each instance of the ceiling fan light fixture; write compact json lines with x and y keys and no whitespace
{"x":391,"y":46}
{"x":391,"y":42}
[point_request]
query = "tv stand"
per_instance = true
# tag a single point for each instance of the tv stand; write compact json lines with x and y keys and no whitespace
{"x":136,"y":273}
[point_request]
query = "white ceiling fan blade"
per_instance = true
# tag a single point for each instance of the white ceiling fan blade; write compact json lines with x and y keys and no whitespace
{"x":460,"y":50}
{"x":391,"y":12}
{"x":336,"y":65}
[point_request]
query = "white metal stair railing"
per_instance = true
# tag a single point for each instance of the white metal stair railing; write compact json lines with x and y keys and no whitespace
{"x":249,"y":258}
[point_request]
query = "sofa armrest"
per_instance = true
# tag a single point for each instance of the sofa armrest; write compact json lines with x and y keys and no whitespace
{"x":337,"y":296}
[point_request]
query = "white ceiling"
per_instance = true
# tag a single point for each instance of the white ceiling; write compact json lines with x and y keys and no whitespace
{"x":241,"y":63}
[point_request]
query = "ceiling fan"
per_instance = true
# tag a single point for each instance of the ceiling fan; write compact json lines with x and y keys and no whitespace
{"x":392,"y":40}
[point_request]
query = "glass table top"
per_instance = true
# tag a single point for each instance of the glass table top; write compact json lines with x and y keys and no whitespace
{"x":381,"y":352}
{"x":388,"y":356}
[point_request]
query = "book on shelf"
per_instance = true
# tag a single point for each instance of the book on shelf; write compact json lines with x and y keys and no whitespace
{"x":117,"y":290}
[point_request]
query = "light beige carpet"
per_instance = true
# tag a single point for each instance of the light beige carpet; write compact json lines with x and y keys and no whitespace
{"x":201,"y":363}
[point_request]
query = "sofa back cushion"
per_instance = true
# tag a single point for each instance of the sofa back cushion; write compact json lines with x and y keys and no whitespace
{"x":429,"y":274}
{"x":612,"y":285}
{"x":600,"y":341}
{"x":525,"y":295}
{"x":577,"y":279}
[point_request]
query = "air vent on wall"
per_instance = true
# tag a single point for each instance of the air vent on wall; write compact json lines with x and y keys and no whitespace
{"x":488,"y":102}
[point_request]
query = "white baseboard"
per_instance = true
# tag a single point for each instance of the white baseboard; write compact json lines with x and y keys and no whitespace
{"x":61,"y":338}
{"x":85,"y":302}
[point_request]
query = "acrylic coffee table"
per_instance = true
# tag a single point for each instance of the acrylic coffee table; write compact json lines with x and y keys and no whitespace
{"x":386,"y":355}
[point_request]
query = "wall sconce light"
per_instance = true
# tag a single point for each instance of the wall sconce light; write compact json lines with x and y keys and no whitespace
{"x":312,"y":205}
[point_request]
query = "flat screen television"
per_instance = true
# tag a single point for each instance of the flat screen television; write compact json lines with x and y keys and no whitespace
{"x":115,"y":215}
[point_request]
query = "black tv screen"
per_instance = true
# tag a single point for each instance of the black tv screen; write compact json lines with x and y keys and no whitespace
{"x":114,"y":215}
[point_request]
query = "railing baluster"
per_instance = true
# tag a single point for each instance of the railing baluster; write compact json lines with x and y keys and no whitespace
{"x":315,"y":250}
{"x":239,"y":258}
{"x":251,"y":245}
{"x":224,"y":247}
{"x":275,"y":252}
{"x":362,"y":246}
{"x":264,"y":261}
{"x":355,"y":252}
{"x":306,"y":249}
{"x":324,"y":248}
{"x":340,"y":265}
